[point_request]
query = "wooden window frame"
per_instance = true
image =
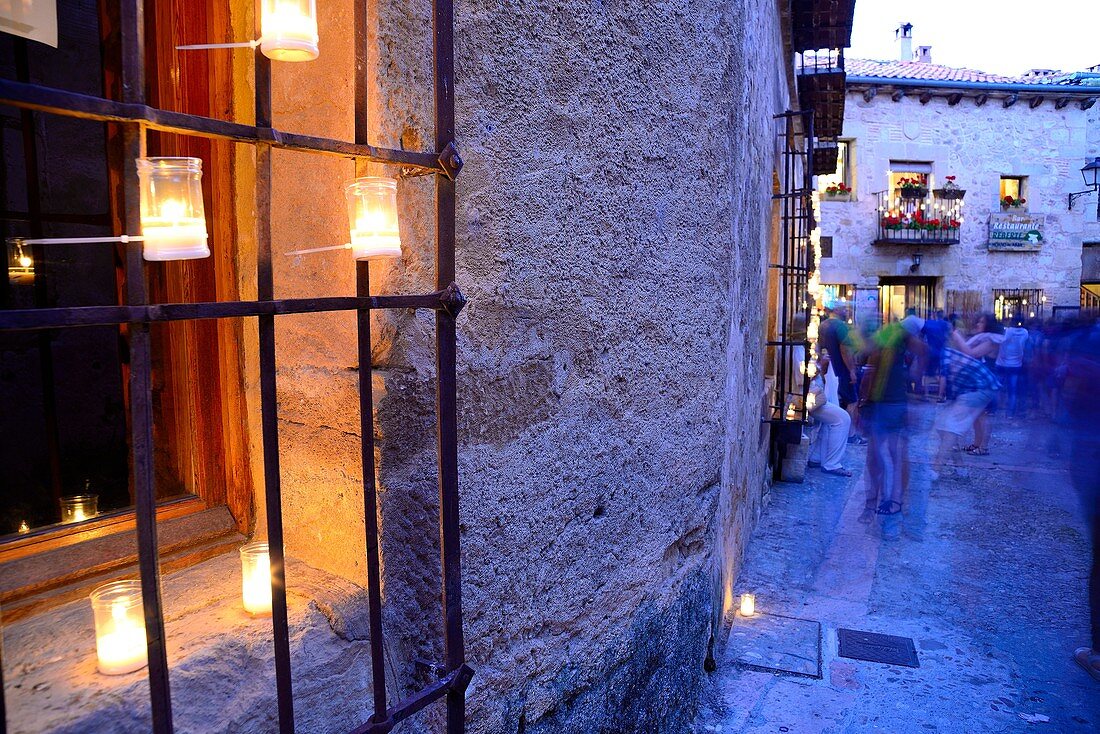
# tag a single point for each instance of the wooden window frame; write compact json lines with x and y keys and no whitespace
{"x":204,"y":441}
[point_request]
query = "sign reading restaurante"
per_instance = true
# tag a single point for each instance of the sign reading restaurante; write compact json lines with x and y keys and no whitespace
{"x":1011,"y":231}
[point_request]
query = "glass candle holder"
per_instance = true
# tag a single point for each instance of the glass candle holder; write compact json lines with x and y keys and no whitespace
{"x":256,"y":578}
{"x":173,"y":221}
{"x":372,"y":210}
{"x":119,"y":627}
{"x":288,"y":30}
{"x":78,"y":507}
{"x":748,"y":605}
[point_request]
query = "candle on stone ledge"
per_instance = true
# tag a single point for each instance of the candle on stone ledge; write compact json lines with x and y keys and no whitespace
{"x":748,"y":605}
{"x":173,"y":221}
{"x":288,"y":30}
{"x":119,"y":627}
{"x":79,"y":507}
{"x":256,"y":578}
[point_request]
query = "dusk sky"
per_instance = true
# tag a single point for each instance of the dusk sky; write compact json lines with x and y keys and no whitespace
{"x":1001,"y":37}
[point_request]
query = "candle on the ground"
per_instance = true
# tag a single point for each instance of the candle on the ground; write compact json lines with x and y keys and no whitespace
{"x":288,"y":30}
{"x":173,"y":220}
{"x":119,"y":627}
{"x":748,"y":605}
{"x":256,"y":578}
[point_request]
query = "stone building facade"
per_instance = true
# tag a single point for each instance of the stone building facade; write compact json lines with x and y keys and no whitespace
{"x":914,"y":118}
{"x":614,"y":229}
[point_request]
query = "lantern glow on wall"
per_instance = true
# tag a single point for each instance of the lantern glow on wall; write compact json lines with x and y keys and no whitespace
{"x":372,"y":211}
{"x":256,"y":578}
{"x":119,"y":627}
{"x":173,"y":222}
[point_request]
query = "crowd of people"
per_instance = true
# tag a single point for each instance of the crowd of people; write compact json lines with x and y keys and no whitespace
{"x":982,"y":372}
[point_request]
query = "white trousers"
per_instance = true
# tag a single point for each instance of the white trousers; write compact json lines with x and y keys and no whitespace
{"x":832,"y":437}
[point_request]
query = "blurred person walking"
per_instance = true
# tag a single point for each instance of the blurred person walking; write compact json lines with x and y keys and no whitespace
{"x":836,"y":337}
{"x":983,"y":345}
{"x":974,"y":386}
{"x":935,"y":333}
{"x":1010,"y":364}
{"x":884,"y":409}
{"x":1082,"y":401}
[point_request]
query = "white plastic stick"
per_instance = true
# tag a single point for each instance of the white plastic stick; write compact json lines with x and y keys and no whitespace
{"x":204,"y":46}
{"x":78,"y":240}
{"x":318,"y":249}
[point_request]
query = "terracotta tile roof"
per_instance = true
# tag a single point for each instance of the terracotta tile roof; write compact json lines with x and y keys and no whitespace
{"x":918,"y":71}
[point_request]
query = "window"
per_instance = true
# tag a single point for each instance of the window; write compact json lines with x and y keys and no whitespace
{"x":1013,"y":190}
{"x":919,"y":170}
{"x":845,"y":169}
{"x":1014,"y":305}
{"x":65,"y":424}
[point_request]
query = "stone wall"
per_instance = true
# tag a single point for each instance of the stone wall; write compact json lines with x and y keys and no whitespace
{"x":613,"y":223}
{"x":978,"y":145}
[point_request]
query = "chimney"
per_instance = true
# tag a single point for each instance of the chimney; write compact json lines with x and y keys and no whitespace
{"x":924,"y":54}
{"x":904,"y":36}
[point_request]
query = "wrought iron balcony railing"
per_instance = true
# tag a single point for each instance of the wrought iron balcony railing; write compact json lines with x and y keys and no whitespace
{"x":917,"y":216}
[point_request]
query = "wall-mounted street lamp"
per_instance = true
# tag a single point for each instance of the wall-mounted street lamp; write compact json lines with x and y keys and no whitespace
{"x":916,"y":263}
{"x":1091,"y":174}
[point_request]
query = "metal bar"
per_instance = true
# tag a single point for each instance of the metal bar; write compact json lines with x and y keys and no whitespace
{"x":132,"y":25}
{"x":370,"y":498}
{"x":454,"y":682}
{"x":41,"y":280}
{"x":269,"y":400}
{"x":71,"y":104}
{"x":366,"y":393}
{"x":446,"y":348}
{"x":53,"y":318}
{"x":98,"y":220}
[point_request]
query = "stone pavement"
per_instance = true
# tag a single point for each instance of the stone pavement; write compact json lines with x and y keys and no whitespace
{"x":989,"y":579}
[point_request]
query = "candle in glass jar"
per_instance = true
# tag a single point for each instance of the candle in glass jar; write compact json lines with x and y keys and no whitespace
{"x":256,"y":578}
{"x":173,"y":220}
{"x":119,"y":628}
{"x":372,"y":211}
{"x":748,"y":605}
{"x":288,"y":30}
{"x":79,"y":507}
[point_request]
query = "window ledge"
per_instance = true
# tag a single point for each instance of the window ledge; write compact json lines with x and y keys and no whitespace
{"x":221,"y":660}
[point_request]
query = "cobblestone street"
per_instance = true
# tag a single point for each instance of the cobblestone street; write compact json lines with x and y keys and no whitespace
{"x":988,"y":578}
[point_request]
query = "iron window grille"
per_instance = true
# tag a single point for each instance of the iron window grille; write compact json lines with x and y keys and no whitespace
{"x":1018,"y":304}
{"x":136,"y":118}
{"x":796,"y":220}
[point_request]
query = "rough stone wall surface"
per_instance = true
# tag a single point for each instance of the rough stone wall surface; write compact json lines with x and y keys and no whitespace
{"x":613,"y":224}
{"x":978,"y":145}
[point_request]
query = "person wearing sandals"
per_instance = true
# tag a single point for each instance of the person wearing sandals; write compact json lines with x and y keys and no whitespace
{"x":974,"y":386}
{"x":832,"y":437}
{"x":884,"y":406}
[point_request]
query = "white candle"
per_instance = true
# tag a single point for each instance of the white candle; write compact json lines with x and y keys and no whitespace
{"x":256,"y":578}
{"x":748,"y":605}
{"x":372,"y":212}
{"x":79,"y":507}
{"x":173,"y":222}
{"x":119,"y":628}
{"x":289,"y":30}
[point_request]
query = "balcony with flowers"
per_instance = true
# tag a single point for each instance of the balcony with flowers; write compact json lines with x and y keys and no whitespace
{"x":911,"y":213}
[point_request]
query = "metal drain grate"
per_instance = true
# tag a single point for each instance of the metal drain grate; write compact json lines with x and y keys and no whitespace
{"x":877,"y":648}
